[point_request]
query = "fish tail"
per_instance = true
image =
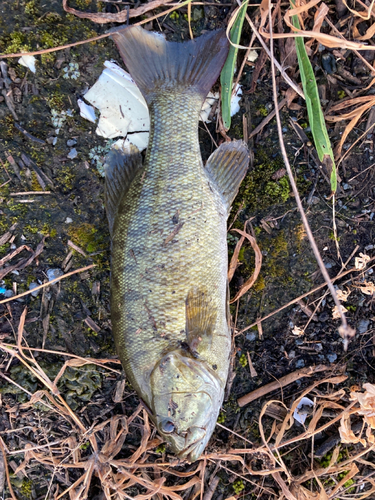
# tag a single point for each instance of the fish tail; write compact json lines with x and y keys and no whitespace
{"x":158,"y":66}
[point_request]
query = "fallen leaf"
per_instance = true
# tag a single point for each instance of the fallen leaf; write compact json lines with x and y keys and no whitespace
{"x":361,"y":261}
{"x":336,"y":313}
{"x":343,"y":294}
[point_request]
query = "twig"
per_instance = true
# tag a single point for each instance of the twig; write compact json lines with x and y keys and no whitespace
{"x":294,"y":301}
{"x":52,"y":282}
{"x":345,"y":330}
{"x":282,"y":382}
{"x":268,"y":118}
{"x":2,"y":448}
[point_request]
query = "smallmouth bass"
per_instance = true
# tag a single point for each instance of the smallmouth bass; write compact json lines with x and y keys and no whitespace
{"x":167,"y":218}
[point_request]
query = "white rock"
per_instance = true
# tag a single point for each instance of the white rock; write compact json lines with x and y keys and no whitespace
{"x":68,"y":220}
{"x":235,"y":101}
{"x":253,"y":56}
{"x":28,"y":62}
{"x":86,"y":111}
{"x":72,"y":154}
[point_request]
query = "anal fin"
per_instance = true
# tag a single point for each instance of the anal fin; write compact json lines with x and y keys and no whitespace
{"x":227,"y":166}
{"x":121,"y":167}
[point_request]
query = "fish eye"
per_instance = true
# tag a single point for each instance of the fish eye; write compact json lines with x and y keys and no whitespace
{"x":167,"y":426}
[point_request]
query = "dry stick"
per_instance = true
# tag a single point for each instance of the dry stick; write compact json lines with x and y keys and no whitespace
{"x":278,"y":65}
{"x":352,"y":146}
{"x":325,"y":294}
{"x":344,"y":330}
{"x":282,"y":382}
{"x":267,"y":119}
{"x":294,"y":301}
{"x":2,"y":448}
{"x":52,"y":282}
{"x":360,"y":56}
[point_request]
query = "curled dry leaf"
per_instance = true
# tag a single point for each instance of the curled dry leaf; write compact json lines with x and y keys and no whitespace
{"x":368,"y":288}
{"x":361,"y":261}
{"x":298,"y":331}
{"x":346,"y":433}
{"x":366,"y":401}
{"x":336,"y":314}
{"x":343,"y":294}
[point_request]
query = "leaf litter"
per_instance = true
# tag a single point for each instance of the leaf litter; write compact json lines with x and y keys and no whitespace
{"x":144,"y":476}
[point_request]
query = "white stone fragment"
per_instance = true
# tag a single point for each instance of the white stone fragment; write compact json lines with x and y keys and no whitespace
{"x":299,"y":413}
{"x":210,"y":101}
{"x":86,"y":111}
{"x":253,"y":56}
{"x":72,"y":154}
{"x":28,"y":62}
{"x":235,"y":101}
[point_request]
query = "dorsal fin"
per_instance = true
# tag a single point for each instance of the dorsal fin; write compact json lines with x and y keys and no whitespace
{"x":120,"y":169}
{"x":227,"y":166}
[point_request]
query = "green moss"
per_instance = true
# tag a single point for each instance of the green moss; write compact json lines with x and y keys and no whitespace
{"x":65,"y":178}
{"x":278,"y":190}
{"x":243,"y":360}
{"x":31,"y":9}
{"x":27,"y":487}
{"x":260,"y":284}
{"x":16,"y":42}
{"x":238,"y":486}
{"x":262,"y":111}
{"x":221,"y":418}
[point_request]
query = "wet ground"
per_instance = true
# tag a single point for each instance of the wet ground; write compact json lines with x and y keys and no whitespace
{"x":56,"y":204}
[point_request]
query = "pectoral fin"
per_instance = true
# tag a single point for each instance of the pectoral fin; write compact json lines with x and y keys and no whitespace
{"x":227,"y":167}
{"x":120,"y":170}
{"x":200,"y":319}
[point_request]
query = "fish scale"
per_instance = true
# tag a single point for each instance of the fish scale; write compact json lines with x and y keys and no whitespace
{"x":169,"y":289}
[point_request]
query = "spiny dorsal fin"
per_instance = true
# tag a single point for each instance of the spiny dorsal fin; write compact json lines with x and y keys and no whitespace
{"x":158,"y":66}
{"x":227,"y":167}
{"x":200,"y":319}
{"x":120,"y":169}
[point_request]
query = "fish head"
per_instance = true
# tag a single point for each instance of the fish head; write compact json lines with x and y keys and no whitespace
{"x":186,"y":399}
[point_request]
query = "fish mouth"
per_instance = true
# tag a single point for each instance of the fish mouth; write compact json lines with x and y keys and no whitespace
{"x":192,"y":452}
{"x":194,"y":444}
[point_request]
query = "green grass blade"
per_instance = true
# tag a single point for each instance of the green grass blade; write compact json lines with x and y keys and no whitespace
{"x":314,"y":109}
{"x":226,"y":77}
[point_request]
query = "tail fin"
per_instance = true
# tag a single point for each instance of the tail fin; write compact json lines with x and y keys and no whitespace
{"x":158,"y":65}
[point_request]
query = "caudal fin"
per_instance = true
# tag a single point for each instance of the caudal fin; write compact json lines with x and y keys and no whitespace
{"x":159,"y":66}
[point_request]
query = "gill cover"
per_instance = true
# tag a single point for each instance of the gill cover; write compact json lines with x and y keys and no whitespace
{"x":186,"y":399}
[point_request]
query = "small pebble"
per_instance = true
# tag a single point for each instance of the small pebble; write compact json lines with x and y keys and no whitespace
{"x":369,"y":247}
{"x":31,"y":287}
{"x":53,"y":274}
{"x":251,"y":336}
{"x":73,"y":154}
{"x":332,"y":357}
{"x":346,"y":186}
{"x":8,"y":294}
{"x":300,"y":363}
{"x":71,"y":142}
{"x":363,"y":325}
{"x":68,"y":220}
{"x":51,"y":140}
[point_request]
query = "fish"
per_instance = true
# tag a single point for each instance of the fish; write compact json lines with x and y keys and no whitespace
{"x":168,"y":225}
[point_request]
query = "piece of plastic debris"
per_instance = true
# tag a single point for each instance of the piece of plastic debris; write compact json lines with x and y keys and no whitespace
{"x":31,"y":287}
{"x":138,"y":139}
{"x":235,"y":101}
{"x":2,"y":290}
{"x":87,"y":111}
{"x":253,"y":56}
{"x":122,"y":106}
{"x":300,"y":413}
{"x":68,"y":220}
{"x":53,"y":274}
{"x":72,"y":154}
{"x":28,"y":62}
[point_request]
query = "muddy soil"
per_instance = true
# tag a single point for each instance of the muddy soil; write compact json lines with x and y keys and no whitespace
{"x":56,"y":202}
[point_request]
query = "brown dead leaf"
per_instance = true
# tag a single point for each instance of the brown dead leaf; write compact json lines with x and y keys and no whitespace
{"x":258,"y":264}
{"x":343,"y":294}
{"x":346,"y":433}
{"x":336,"y":314}
{"x":361,"y":261}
